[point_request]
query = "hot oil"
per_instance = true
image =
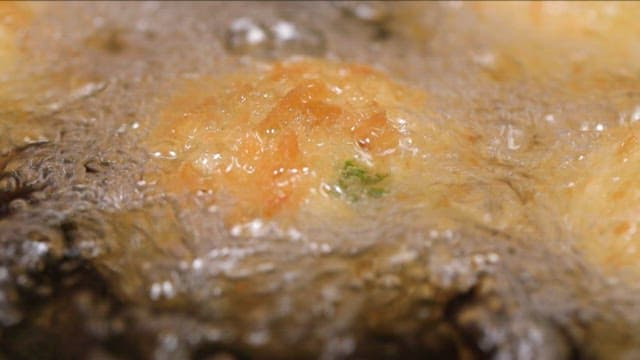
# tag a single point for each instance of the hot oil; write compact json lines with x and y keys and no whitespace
{"x":258,"y":173}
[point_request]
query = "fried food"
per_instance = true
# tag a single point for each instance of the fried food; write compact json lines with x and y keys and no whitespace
{"x":14,"y":17}
{"x":601,"y":195}
{"x":296,"y":180}
{"x":276,"y":138}
{"x":294,"y":134}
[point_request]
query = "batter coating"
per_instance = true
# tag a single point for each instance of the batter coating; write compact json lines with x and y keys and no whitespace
{"x":276,"y":139}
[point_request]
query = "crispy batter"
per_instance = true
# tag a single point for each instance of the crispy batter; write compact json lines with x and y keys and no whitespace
{"x":274,"y":139}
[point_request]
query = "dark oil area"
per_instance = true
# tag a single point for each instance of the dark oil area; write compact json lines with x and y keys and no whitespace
{"x":505,"y":229}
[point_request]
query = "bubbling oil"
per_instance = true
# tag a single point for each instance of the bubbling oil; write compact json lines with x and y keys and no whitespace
{"x":499,"y":139}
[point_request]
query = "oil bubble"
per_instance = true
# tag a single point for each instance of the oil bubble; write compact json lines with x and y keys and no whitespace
{"x":366,"y":11}
{"x":246,"y":36}
{"x":292,"y":39}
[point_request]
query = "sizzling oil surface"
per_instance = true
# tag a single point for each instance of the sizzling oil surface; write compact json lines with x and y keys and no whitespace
{"x":281,"y":203}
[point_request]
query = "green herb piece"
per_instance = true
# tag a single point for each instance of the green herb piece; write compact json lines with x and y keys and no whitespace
{"x":356,"y":182}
